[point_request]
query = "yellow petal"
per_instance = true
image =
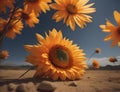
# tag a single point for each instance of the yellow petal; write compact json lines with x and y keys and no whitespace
{"x":45,"y":55}
{"x":56,"y":7}
{"x":117,"y":17}
{"x":55,"y":76}
{"x":102,"y":26}
{"x":82,"y":2}
{"x":110,"y":26}
{"x":63,"y":76}
{"x":108,"y":37}
{"x":40,"y":38}
{"x":119,"y":44}
{"x":114,"y":43}
{"x":71,"y":23}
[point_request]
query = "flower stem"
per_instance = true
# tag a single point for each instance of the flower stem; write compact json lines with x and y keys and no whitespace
{"x":32,"y":67}
{"x":91,"y":56}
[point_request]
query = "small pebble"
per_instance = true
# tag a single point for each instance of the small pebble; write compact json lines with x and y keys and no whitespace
{"x":11,"y":87}
{"x":46,"y":86}
{"x":74,"y":84}
{"x":22,"y":88}
{"x":109,"y":80}
{"x":88,"y":77}
{"x":31,"y":87}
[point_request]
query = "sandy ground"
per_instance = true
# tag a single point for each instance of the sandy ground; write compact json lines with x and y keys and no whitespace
{"x":93,"y":81}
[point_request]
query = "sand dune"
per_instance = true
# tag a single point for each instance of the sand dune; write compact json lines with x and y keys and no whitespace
{"x":93,"y":81}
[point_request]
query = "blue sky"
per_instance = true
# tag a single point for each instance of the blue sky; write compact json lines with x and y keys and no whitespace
{"x":87,"y":38}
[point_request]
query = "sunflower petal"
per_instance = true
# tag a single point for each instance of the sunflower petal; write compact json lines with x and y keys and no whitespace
{"x":114,"y":42}
{"x":117,"y":17}
{"x":40,"y":38}
{"x":108,"y":37}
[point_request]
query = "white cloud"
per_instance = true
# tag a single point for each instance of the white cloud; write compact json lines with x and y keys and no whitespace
{"x":104,"y":61}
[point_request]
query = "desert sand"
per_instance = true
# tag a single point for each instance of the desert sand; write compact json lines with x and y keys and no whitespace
{"x":92,"y":81}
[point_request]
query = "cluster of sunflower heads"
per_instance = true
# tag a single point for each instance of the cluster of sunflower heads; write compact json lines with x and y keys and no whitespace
{"x":70,"y":11}
{"x":55,"y":56}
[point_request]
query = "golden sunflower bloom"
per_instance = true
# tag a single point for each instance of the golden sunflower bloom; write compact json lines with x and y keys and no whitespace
{"x":73,"y":12}
{"x":29,"y":18}
{"x":56,"y":57}
{"x":4,"y":54}
{"x":98,"y":50}
{"x":113,"y":30}
{"x":14,"y":27}
{"x":113,"y":59}
{"x":95,"y":64}
{"x":37,"y":6}
{"x":6,"y":3}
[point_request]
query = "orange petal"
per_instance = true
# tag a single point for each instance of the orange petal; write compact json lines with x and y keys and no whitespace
{"x":63,"y":76}
{"x":117,"y":17}
{"x":40,"y":38}
{"x":108,"y":37}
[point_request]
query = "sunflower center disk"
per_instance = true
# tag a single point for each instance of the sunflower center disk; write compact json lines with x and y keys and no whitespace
{"x":118,"y":30}
{"x":59,"y":56}
{"x":71,"y":9}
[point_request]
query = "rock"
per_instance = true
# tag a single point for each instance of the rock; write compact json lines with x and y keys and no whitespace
{"x":31,"y":87}
{"x":11,"y":87}
{"x":73,"y":84}
{"x":88,"y":77}
{"x":22,"y":88}
{"x":46,"y":86}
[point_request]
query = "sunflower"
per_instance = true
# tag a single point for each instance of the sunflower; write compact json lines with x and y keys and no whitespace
{"x":29,"y":18}
{"x":4,"y":54}
{"x":56,"y":57}
{"x":113,"y":30}
{"x":73,"y":12}
{"x":113,"y":59}
{"x":98,"y":50}
{"x":6,"y":3}
{"x":14,"y":27}
{"x":95,"y":64}
{"x":37,"y":6}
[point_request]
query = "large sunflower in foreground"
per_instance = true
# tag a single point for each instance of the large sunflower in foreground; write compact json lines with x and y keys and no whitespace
{"x":56,"y":57}
{"x":113,"y":30}
{"x":73,"y":12}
